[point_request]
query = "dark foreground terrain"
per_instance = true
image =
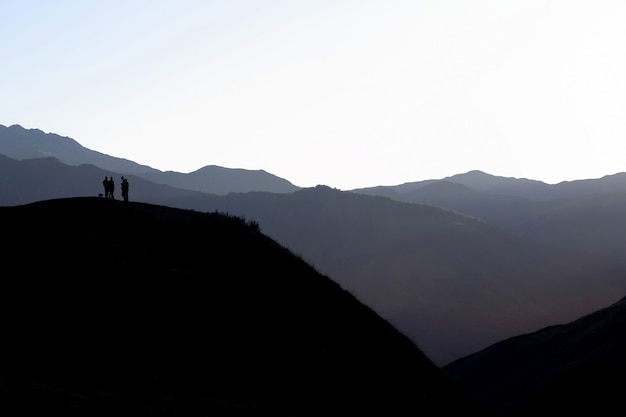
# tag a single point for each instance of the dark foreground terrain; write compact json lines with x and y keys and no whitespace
{"x":131,"y":309}
{"x":575,"y":369}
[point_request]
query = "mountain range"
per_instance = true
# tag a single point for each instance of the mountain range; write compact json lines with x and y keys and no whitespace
{"x":582,"y":214}
{"x":460,"y":265}
{"x":455,"y":280}
{"x":19,"y":143}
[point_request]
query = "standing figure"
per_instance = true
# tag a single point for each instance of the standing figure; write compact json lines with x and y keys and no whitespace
{"x":125,"y":188}
{"x":105,"y":183}
{"x":111,"y":188}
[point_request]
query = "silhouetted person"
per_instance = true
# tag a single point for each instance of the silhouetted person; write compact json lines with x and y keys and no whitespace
{"x":125,"y":189}
{"x":108,"y":187}
{"x":111,"y":188}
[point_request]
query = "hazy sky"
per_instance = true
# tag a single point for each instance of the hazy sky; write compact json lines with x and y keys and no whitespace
{"x":346,"y":93}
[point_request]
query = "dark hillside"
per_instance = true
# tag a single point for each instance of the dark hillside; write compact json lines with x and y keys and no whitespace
{"x":575,"y":369}
{"x":132,"y":309}
{"x":450,"y":282}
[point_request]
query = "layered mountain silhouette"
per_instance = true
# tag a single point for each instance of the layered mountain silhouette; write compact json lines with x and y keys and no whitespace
{"x":19,"y":143}
{"x":456,"y":264}
{"x":451,"y":282}
{"x":532,"y":190}
{"x":115,"y":308}
{"x":584,"y":214}
{"x":573,"y":369}
{"x":32,"y":180}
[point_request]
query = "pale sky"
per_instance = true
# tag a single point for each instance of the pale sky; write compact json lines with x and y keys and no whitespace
{"x":345,"y":93}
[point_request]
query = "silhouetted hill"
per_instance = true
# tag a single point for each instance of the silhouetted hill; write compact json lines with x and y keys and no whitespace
{"x":19,"y":143}
{"x":574,"y":369}
{"x":131,"y":309}
{"x":452,"y":283}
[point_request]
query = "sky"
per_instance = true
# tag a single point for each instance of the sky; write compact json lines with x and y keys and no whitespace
{"x":344,"y":93}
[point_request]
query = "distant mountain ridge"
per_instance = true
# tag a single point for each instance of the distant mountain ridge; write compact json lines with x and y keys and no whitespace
{"x":19,"y":143}
{"x":585,"y":215}
{"x":218,"y":180}
{"x":510,"y":187}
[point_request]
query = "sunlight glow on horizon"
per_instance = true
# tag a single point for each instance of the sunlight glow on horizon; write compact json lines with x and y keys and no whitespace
{"x":342,"y":93}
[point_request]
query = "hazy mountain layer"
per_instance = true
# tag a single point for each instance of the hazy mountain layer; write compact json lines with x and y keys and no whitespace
{"x":532,"y":190}
{"x":19,"y":143}
{"x":587,"y":215}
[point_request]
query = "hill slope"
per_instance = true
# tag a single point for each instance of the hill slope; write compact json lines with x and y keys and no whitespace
{"x":452,"y":283}
{"x":575,"y":369}
{"x":132,"y":309}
